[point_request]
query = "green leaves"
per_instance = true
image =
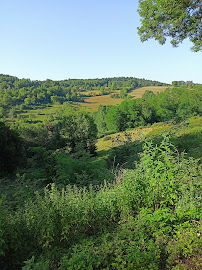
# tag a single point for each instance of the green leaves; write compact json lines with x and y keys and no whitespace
{"x":175,"y":19}
{"x":79,"y":131}
{"x":129,"y":224}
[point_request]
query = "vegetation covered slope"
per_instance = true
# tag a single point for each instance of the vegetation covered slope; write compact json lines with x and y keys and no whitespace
{"x":24,"y":92}
{"x":135,"y":204}
{"x":148,"y":218}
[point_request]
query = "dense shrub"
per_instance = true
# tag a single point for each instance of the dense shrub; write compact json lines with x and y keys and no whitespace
{"x":11,"y":149}
{"x":82,"y":171}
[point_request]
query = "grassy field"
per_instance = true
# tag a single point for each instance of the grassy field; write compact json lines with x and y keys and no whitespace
{"x":137,"y":93}
{"x":109,"y":141}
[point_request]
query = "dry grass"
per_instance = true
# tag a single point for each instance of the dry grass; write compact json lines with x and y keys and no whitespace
{"x":94,"y":92}
{"x":137,"y":93}
{"x":92,"y":103}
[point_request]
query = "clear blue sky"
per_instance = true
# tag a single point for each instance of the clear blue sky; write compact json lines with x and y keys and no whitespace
{"x":62,"y":39}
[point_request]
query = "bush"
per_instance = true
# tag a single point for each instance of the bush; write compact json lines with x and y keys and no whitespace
{"x":11,"y":149}
{"x":124,"y":154}
{"x":82,"y":171}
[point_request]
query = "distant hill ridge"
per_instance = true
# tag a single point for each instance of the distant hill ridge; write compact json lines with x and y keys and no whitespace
{"x":12,"y":79}
{"x":26,"y":92}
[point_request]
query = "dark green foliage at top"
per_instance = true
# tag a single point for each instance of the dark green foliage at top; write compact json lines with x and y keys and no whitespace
{"x":177,"y":19}
{"x":11,"y":149}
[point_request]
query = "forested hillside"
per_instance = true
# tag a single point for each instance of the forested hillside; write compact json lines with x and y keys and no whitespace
{"x":20,"y":93}
{"x":119,"y":188}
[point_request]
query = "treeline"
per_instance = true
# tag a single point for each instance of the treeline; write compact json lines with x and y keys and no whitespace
{"x":173,"y":104}
{"x":22,"y":93}
{"x":75,"y":134}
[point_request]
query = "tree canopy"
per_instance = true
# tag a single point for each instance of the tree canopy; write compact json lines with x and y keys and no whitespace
{"x":177,"y":19}
{"x":79,"y":131}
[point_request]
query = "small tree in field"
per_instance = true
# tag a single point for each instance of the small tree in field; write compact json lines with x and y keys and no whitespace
{"x":79,"y":131}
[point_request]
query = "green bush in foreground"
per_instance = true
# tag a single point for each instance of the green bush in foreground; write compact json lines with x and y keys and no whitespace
{"x":134,"y":223}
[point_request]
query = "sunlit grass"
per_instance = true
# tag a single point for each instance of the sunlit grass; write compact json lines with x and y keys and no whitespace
{"x":186,"y":135}
{"x":109,"y":141}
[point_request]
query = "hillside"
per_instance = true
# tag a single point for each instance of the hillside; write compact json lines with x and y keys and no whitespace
{"x":118,"y":188}
{"x":92,"y":103}
{"x":21,"y":98}
{"x":145,"y":214}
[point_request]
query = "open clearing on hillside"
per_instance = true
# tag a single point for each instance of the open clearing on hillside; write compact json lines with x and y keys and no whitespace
{"x":92,"y":103}
{"x":137,"y":93}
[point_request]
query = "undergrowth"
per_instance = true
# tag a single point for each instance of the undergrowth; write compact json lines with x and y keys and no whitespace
{"x":148,"y":218}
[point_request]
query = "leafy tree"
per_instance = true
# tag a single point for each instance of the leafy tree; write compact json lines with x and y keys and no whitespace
{"x":12,"y":113}
{"x":57,"y":100}
{"x":123,"y":93}
{"x":2,"y":112}
{"x":113,"y":86}
{"x":114,"y":119}
{"x":11,"y":149}
{"x":147,"y":95}
{"x":34,"y":134}
{"x":79,"y":131}
{"x":99,"y":117}
{"x":101,"y":90}
{"x":135,"y":113}
{"x":189,"y":104}
{"x":177,"y":19}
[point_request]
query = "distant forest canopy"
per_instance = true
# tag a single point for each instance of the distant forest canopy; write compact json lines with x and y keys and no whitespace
{"x":25,"y":92}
